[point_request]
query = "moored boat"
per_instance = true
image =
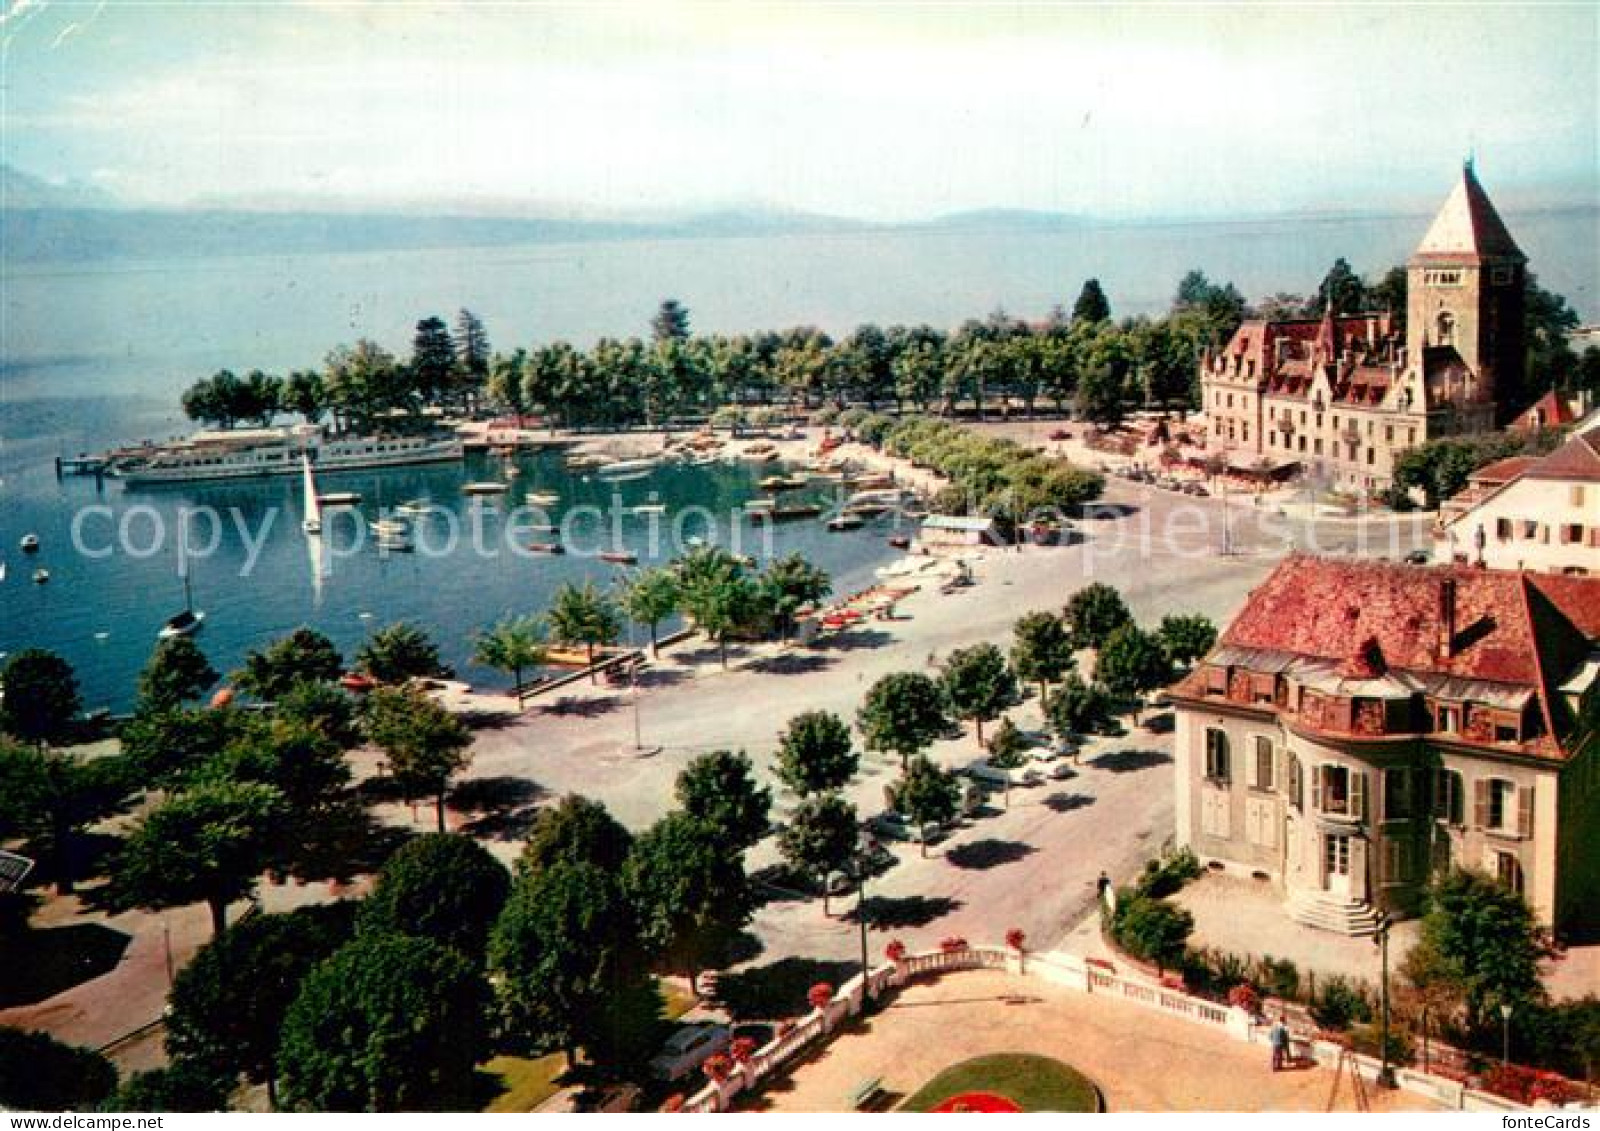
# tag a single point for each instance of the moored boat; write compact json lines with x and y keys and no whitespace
{"x":485,"y":487}
{"x":542,"y":498}
{"x":619,"y":557}
{"x":547,"y":548}
{"x":29,"y":543}
{"x":845,"y":522}
{"x":186,"y":623}
{"x":247,"y":453}
{"x":40,"y":576}
{"x":628,"y":468}
{"x":339,"y":499}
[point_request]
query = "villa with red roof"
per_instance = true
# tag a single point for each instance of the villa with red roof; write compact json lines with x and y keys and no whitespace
{"x":1362,"y":726}
{"x":1529,"y":513}
{"x":1343,"y":396}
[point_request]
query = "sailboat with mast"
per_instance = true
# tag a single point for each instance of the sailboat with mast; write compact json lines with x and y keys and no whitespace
{"x":312,"y":523}
{"x":188,"y":622}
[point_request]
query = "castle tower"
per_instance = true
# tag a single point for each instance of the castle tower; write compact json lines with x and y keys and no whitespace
{"x":1465,"y":305}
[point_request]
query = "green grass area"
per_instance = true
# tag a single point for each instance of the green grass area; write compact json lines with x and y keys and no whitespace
{"x":528,"y":1082}
{"x":1033,"y":1083}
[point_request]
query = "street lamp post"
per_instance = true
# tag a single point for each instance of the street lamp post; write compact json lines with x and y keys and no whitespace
{"x":864,"y":847}
{"x":1386,"y":1077}
{"x":1505,"y":1033}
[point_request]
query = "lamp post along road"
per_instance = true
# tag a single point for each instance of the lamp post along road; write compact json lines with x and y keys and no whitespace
{"x":1385,"y":1070}
{"x":1505,"y":1033}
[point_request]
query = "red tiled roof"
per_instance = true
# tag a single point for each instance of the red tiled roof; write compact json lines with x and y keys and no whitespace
{"x":1503,"y":470}
{"x":1578,"y":458}
{"x":1549,"y":411}
{"x":1467,"y":226}
{"x":1316,"y":607}
{"x":1576,"y":598}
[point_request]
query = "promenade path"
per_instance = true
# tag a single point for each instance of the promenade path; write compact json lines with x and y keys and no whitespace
{"x":1141,"y":1060}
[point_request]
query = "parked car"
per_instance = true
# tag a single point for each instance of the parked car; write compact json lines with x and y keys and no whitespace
{"x":891,"y":825}
{"x":1418,"y":557}
{"x":688,"y":1048}
{"x":1061,"y":434}
{"x":1053,"y":763}
{"x":984,"y":771}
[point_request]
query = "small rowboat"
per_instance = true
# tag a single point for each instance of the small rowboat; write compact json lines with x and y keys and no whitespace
{"x":619,"y":557}
{"x":547,"y":547}
{"x":339,"y":499}
{"x":542,"y":498}
{"x":488,"y":487}
{"x":845,"y":522}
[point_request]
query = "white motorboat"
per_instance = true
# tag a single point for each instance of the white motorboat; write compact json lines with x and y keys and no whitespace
{"x":389,"y":527}
{"x":186,"y":623}
{"x":312,"y":523}
{"x":40,"y":576}
{"x":628,"y":468}
{"x":339,"y":499}
{"x":394,"y":543}
{"x":650,"y":508}
{"x":30,"y":543}
{"x":414,"y":507}
{"x":542,"y":498}
{"x":487,"y":487}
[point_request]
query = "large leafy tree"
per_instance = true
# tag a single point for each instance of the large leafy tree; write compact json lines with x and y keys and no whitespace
{"x":51,"y":796}
{"x":650,"y":598}
{"x":1041,"y":650}
{"x":303,"y":656}
{"x":820,"y":838}
{"x":578,"y":830}
{"x":720,"y":791}
{"x":398,"y":653}
{"x":926,"y":794}
{"x":38,"y":696}
{"x":424,"y":744}
{"x":39,"y":1073}
{"x":689,"y":889}
{"x":513,"y":646}
{"x":178,"y":672}
{"x":1186,"y":638}
{"x":324,"y":708}
{"x":816,"y":754}
{"x":903,"y":714}
{"x":585,"y":617}
{"x":790,"y":584}
{"x":1093,"y":613}
{"x":1132,"y":661}
{"x":565,"y":952}
{"x":472,"y":351}
{"x":978,"y":684}
{"x":388,"y":1023}
{"x":208,"y":845}
{"x":227,"y":1005}
{"x":442,"y":887}
{"x":1077,"y":708}
{"x":1340,"y":291}
{"x":1481,"y":939}
{"x":433,"y":358}
{"x":182,"y":1086}
{"x":716,"y":594}
{"x":295,"y":758}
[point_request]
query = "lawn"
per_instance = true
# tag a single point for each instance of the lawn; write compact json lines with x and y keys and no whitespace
{"x":1033,"y":1083}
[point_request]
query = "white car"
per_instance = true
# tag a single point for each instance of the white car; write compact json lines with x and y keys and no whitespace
{"x":984,"y":771}
{"x":1052,"y":763}
{"x":688,"y":1048}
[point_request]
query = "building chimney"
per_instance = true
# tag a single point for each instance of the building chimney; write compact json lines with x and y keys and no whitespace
{"x":1447,"y":618}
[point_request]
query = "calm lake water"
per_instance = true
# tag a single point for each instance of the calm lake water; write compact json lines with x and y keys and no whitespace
{"x":92,"y":354}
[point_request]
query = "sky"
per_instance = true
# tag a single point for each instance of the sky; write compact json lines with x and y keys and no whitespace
{"x":877,"y":111}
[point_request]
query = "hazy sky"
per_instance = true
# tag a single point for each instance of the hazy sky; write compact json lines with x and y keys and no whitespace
{"x":882,"y":111}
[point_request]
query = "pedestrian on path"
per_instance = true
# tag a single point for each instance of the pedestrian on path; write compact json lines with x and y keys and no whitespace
{"x":1279,"y":1040}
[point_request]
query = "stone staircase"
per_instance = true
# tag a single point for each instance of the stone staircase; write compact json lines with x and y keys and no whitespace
{"x":1327,"y":912}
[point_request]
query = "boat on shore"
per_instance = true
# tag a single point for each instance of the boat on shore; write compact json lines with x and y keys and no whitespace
{"x":250,"y":453}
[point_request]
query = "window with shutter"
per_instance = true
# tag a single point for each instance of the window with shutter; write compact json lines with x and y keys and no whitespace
{"x":1296,"y":785}
{"x":1525,"y":811}
{"x":1358,"y":796}
{"x":1480,"y":803}
{"x":1316,"y":788}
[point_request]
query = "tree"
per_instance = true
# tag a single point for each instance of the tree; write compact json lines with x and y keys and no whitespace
{"x":39,"y":1073}
{"x":688,"y":887}
{"x":177,"y":673}
{"x":50,"y":796}
{"x":513,"y":645}
{"x":181,"y":1086}
{"x":425,"y":745}
{"x":815,"y":753}
{"x":1186,"y":638}
{"x":440,"y":886}
{"x":671,"y":322}
{"x":1132,"y":661}
{"x":324,"y":708}
{"x":38,"y":696}
{"x":207,"y":845}
{"x":719,"y":790}
{"x":398,"y":653}
{"x":1041,"y":651}
{"x":1092,"y":305}
{"x":978,"y":685}
{"x":564,"y":951}
{"x":1340,"y":291}
{"x":1077,"y":708}
{"x":166,"y":746}
{"x":433,"y":358}
{"x":790,"y":584}
{"x":226,"y":1010}
{"x":927,"y":795}
{"x":584,"y":616}
{"x":650,"y":598}
{"x":1093,"y":613}
{"x":303,"y":393}
{"x":388,"y":1023}
{"x":820,"y":838}
{"x":296,"y":759}
{"x":472,"y":350}
{"x":303,"y":656}
{"x":903,"y":714}
{"x":1483,"y":940}
{"x":716,"y":594}
{"x":1152,"y":929}
{"x":576,"y":831}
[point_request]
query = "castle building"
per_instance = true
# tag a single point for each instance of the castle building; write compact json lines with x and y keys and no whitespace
{"x":1363,"y":726}
{"x":1343,"y":396}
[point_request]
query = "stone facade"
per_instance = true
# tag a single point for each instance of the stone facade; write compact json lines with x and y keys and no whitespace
{"x":1349,"y":774}
{"x":1343,"y":396}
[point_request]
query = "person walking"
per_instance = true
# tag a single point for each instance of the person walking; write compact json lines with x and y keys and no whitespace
{"x":1278,"y":1038}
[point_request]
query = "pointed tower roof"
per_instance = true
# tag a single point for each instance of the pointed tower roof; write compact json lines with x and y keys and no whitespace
{"x":1468,"y":225}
